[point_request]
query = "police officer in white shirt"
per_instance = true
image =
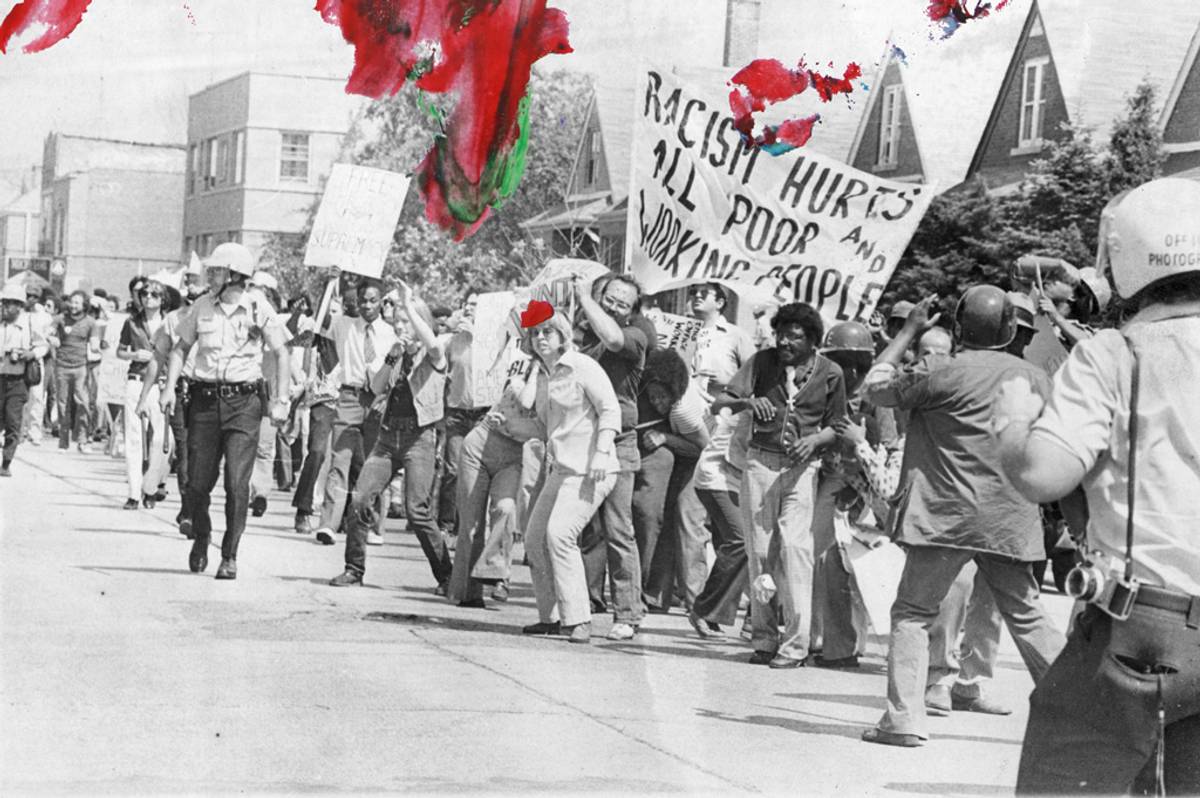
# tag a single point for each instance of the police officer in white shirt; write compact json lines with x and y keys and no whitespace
{"x":229,"y":329}
{"x":1119,"y":710}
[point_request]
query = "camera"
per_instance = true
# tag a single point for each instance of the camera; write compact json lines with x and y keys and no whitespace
{"x":1089,"y":582}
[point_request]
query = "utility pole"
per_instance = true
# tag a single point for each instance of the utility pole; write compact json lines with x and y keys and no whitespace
{"x":741,"y":31}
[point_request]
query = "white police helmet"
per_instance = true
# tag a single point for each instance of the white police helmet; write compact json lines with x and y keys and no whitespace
{"x":232,"y":256}
{"x":1148,"y":233}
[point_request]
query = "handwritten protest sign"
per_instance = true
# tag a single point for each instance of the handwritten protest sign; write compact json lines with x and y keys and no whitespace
{"x":492,"y":334}
{"x":553,"y":283}
{"x":680,"y":333}
{"x":704,"y":206}
{"x":111,"y":373}
{"x":356,"y":219}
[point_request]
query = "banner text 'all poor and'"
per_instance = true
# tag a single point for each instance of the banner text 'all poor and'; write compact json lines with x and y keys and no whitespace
{"x":707,"y":206}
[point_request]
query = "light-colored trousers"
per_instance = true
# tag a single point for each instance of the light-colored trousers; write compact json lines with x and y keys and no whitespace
{"x":35,"y":408}
{"x":563,"y":508}
{"x":159,"y":461}
{"x":777,"y":504}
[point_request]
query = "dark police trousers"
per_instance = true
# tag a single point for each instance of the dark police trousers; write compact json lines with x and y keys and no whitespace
{"x":1093,"y":719}
{"x":222,"y":426}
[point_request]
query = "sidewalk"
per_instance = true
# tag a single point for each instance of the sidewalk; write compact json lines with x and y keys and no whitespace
{"x":123,"y":672}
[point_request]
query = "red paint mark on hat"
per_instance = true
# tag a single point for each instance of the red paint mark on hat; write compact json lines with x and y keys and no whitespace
{"x":537,"y":312}
{"x":764,"y":82}
{"x":59,"y":16}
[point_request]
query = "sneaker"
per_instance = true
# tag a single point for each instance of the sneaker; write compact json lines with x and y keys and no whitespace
{"x":303,"y":523}
{"x":374,"y":539}
{"x":580,"y":633}
{"x":325,"y":536}
{"x":620,"y":631}
{"x":227,"y":569}
{"x":500,"y":592}
{"x":347,"y":578}
{"x":541,"y":628}
{"x":130,"y":504}
{"x":258,"y":507}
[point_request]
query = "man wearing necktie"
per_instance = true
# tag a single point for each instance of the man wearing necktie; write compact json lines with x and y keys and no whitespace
{"x":360,"y":343}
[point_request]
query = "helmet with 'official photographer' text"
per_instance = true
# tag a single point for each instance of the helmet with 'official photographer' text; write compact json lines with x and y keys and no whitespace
{"x":984,"y":318}
{"x":1150,"y":233}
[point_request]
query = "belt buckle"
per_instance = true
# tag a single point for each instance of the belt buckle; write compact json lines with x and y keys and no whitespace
{"x":1124,"y":596}
{"x":225,"y":390}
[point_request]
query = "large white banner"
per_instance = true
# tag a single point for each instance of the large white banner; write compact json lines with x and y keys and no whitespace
{"x":704,"y":206}
{"x":356,"y":219}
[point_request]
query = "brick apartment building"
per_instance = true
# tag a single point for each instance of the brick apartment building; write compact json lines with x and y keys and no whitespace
{"x":110,"y":209}
{"x":258,"y":148}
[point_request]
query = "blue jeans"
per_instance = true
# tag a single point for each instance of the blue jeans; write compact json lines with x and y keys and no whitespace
{"x":610,"y":541}
{"x":404,"y":445}
{"x":71,"y":384}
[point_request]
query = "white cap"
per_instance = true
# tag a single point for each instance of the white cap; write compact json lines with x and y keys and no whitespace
{"x":1148,"y":233}
{"x":232,"y":256}
{"x":13,"y":292}
{"x":194,"y":266}
{"x":264,"y":280}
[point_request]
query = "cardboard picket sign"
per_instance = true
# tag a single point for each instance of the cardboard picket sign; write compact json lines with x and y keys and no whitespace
{"x":1045,"y":350}
{"x":875,"y":564}
{"x":492,"y":337}
{"x":553,"y":283}
{"x":356,"y":219}
{"x":704,"y":206}
{"x":111,"y":373}
{"x":680,"y":333}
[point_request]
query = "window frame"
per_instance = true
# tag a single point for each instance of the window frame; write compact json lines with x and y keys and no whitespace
{"x":284,"y":158}
{"x":888,"y":154}
{"x":1032,"y":109}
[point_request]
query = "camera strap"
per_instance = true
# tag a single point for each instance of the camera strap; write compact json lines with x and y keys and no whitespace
{"x":1131,"y":488}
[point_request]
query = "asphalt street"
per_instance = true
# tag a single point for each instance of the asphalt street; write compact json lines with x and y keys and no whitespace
{"x":122,"y":672}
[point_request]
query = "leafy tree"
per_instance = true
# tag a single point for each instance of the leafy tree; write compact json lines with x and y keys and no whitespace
{"x":970,"y":236}
{"x":394,"y":134}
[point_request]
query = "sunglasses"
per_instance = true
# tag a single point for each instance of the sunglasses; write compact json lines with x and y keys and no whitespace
{"x":150,"y":292}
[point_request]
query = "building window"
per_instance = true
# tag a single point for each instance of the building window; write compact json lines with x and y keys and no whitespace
{"x":889,"y":126}
{"x":237,"y":162}
{"x":206,"y":245}
{"x":208,"y":163}
{"x":591,"y":164}
{"x":293,"y":160}
{"x":221,"y":173}
{"x":193,"y":168}
{"x":187,"y":248}
{"x":1033,"y":102}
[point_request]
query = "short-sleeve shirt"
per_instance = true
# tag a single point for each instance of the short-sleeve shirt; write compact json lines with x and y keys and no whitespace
{"x":73,"y":335}
{"x":954,"y":492}
{"x":623,"y":367}
{"x":228,"y":343}
{"x":1087,"y":414}
{"x":800,"y":410}
{"x":349,"y":335}
{"x":137,"y":335}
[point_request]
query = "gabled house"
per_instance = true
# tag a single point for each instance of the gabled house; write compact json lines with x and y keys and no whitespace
{"x":1078,"y":60}
{"x":1180,"y":120}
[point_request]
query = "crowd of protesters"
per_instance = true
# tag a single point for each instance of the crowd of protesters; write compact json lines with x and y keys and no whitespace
{"x":736,"y":480}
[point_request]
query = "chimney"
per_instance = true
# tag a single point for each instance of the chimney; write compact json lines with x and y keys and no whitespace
{"x":741,"y":31}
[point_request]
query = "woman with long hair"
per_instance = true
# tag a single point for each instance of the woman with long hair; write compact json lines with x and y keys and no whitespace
{"x":578,"y":405}
{"x":154,"y":301}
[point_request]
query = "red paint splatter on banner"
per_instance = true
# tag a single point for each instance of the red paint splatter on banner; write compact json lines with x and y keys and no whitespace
{"x":59,"y":16}
{"x":766,"y":81}
{"x":481,"y":50}
{"x":952,"y":14}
